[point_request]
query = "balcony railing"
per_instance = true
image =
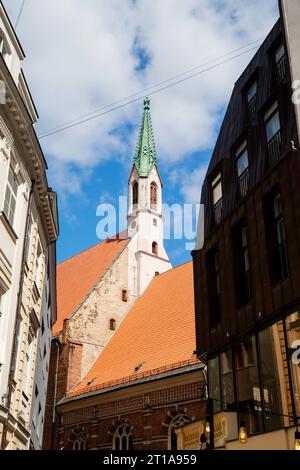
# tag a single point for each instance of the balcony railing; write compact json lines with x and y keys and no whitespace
{"x":251,"y":108}
{"x":274,"y":148}
{"x":244,"y":182}
{"x":218,"y":211}
{"x":281,"y":67}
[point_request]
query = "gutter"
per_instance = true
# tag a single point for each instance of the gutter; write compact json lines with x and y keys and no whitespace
{"x":132,"y":383}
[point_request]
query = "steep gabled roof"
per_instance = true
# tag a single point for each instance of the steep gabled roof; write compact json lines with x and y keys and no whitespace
{"x":158,"y":334}
{"x":78,"y":275}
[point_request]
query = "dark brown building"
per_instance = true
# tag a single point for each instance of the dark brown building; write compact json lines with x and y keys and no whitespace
{"x":247,"y":273}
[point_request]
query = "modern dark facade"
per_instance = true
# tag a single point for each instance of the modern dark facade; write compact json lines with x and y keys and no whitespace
{"x":247,"y":273}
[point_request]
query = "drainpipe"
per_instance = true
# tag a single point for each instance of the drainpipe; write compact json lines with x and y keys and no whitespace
{"x":19,"y":301}
{"x":55,"y":382}
{"x":55,"y":392}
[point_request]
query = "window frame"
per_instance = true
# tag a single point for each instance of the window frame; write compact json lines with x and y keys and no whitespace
{"x":135,"y":194}
{"x":153,"y":196}
{"x":10,"y":194}
{"x":274,"y":143}
{"x":216,"y":182}
{"x":243,"y":176}
{"x":155,"y":248}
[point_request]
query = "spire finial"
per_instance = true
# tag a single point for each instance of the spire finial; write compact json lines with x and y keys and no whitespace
{"x":146,"y":104}
{"x":145,"y":154}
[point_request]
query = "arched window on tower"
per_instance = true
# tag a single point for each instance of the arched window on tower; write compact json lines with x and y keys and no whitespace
{"x":154,"y":248}
{"x":112,"y":324}
{"x":153,"y":195}
{"x":135,"y":193}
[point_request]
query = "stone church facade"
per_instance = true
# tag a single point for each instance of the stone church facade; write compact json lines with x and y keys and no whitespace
{"x":98,"y":288}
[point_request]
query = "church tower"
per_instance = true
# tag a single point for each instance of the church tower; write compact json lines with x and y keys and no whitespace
{"x":147,"y":255}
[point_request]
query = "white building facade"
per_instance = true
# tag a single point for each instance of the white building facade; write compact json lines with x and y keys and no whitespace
{"x":28,"y":231}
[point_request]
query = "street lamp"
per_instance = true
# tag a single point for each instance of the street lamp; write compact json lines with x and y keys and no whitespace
{"x":297,"y":439}
{"x":243,"y":436}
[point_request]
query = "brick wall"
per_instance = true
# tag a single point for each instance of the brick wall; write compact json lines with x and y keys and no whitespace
{"x":150,"y":423}
{"x":64,"y":373}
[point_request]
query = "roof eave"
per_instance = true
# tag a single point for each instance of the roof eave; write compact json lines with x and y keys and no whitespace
{"x":163,"y":375}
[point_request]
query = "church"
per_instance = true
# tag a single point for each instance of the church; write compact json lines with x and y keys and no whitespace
{"x":123,"y":372}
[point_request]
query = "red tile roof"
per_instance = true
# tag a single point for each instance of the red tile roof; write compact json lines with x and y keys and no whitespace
{"x":158,"y":334}
{"x":77,"y":275}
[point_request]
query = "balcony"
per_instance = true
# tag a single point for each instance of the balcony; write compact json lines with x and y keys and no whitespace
{"x":244,"y":182}
{"x":280,"y":68}
{"x":274,"y":148}
{"x":218,"y":211}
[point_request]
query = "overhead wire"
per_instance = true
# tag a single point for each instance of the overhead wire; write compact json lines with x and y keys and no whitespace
{"x":119,"y":104}
{"x":19,"y":14}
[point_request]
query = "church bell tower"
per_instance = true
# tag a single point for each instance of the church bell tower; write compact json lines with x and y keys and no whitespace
{"x":147,"y":255}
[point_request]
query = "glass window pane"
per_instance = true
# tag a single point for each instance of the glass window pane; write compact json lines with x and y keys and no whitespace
{"x":7,"y":195}
{"x":293,"y":338}
{"x":228,"y":397}
{"x":277,"y":205}
{"x":273,"y":126}
{"x":275,"y":382}
{"x":214,"y":383}
{"x":251,"y":92}
{"x":10,"y":176}
{"x":248,"y":388}
{"x":217,"y":193}
{"x":279,"y":53}
{"x":242,"y":162}
{"x":6,"y":208}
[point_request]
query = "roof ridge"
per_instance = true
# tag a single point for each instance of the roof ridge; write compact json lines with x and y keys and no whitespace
{"x":98,"y":281}
{"x":112,"y":238}
{"x":172,"y":269}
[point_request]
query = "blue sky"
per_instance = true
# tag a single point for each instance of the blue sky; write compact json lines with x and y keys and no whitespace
{"x":81,"y":56}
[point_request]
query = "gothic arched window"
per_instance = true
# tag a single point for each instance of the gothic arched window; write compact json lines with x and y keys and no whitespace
{"x":154,"y":248}
{"x":179,"y":420}
{"x":153,"y":195}
{"x":135,"y":193}
{"x":79,"y":443}
{"x":122,"y":439}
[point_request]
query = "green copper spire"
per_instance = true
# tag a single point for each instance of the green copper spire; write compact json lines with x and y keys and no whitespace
{"x":145,"y":154}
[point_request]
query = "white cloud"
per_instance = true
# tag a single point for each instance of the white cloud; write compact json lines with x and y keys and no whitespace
{"x":80,"y":57}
